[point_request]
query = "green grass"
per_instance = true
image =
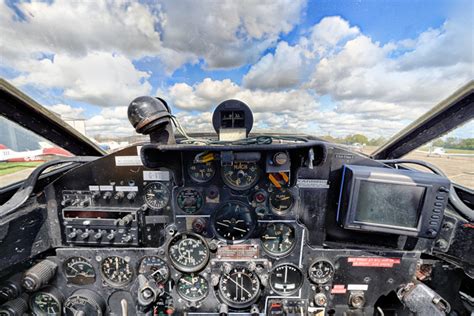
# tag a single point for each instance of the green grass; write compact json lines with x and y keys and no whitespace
{"x":459,"y":151}
{"x":11,"y":167}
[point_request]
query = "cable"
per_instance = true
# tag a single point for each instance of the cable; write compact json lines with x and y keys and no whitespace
{"x":453,"y":196}
{"x":256,"y":140}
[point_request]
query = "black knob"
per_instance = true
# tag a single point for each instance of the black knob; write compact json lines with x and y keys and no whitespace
{"x":16,"y":307}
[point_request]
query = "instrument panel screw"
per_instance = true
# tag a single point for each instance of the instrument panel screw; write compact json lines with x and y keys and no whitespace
{"x":367,"y":279}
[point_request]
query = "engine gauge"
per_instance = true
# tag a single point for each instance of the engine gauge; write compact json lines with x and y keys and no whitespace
{"x":241,"y":175}
{"x":79,"y":271}
{"x":189,"y":200}
{"x":116,"y":271}
{"x":192,"y":287}
{"x":46,"y":302}
{"x":234,"y":221}
{"x":239,"y":288}
{"x":84,"y":302}
{"x":202,"y":172}
{"x":321,"y":271}
{"x":278,"y":239}
{"x":188,"y":252}
{"x":156,"y":267}
{"x":157,"y":195}
{"x":280,"y":200}
{"x":286,"y":279}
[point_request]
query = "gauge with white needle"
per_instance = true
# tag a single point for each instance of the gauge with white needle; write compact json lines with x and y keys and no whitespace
{"x":278,"y":239}
{"x":234,"y":221}
{"x":239,"y":288}
{"x":192,"y":287}
{"x":286,"y":279}
{"x":156,"y":195}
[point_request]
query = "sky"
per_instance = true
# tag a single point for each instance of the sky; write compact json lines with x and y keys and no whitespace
{"x":319,"y":67}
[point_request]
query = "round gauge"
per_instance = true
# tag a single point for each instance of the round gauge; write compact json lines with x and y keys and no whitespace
{"x":188,"y":252}
{"x":84,"y":302}
{"x":46,"y":302}
{"x":156,"y":267}
{"x":190,"y":200}
{"x":286,"y":279}
{"x":116,"y":271}
{"x":192,"y":287}
{"x":278,"y":239}
{"x":157,"y":195}
{"x":79,"y":271}
{"x":241,"y":175}
{"x":280,"y":200}
{"x":234,"y":221}
{"x":202,"y":171}
{"x":239,"y":288}
{"x":321,"y":271}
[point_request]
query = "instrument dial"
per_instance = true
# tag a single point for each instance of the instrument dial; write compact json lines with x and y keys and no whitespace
{"x":192,"y":287}
{"x":155,"y":267}
{"x":239,"y":288}
{"x":234,"y":221}
{"x":188,"y":252}
{"x":286,"y":279}
{"x":116,"y":271}
{"x":190,"y":200}
{"x":321,"y":271}
{"x":280,"y":200}
{"x":46,"y":302}
{"x":79,"y":271}
{"x":278,"y":239}
{"x":84,"y":302}
{"x":157,"y":195}
{"x":202,"y":172}
{"x":241,"y":175}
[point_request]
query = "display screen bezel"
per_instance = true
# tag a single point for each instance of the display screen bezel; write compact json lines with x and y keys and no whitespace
{"x":351,"y":221}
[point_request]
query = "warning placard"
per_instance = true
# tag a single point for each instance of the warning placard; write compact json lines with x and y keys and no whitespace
{"x":373,"y":262}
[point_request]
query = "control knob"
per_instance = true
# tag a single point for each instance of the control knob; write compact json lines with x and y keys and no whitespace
{"x":39,"y":275}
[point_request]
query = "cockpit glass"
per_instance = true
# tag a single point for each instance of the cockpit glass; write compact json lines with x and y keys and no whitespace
{"x":21,"y":151}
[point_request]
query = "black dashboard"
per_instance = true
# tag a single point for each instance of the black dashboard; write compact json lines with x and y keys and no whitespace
{"x":212,"y":230}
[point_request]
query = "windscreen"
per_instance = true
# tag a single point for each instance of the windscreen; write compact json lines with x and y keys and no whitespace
{"x":389,"y":204}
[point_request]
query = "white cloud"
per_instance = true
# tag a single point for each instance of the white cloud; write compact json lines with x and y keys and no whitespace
{"x":224,"y":33}
{"x":227,"y":34}
{"x":78,"y":27}
{"x":110,"y":122}
{"x":102,"y":79}
{"x":209,"y":93}
{"x":286,"y":68}
{"x":329,"y":32}
{"x":65,"y":110}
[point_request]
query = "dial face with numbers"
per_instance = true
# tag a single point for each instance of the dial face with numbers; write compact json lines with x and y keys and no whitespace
{"x":239,"y":288}
{"x":79,"y":271}
{"x":286,"y":279}
{"x":192,"y":287}
{"x":280,"y":201}
{"x":201,"y":171}
{"x":241,"y":175}
{"x":157,"y":195}
{"x":321,"y":271}
{"x":188,"y":252}
{"x":116,"y":271}
{"x":45,"y":303}
{"x":278,"y":239}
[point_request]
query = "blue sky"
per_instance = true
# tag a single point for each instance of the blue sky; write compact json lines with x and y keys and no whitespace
{"x":321,"y":67}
